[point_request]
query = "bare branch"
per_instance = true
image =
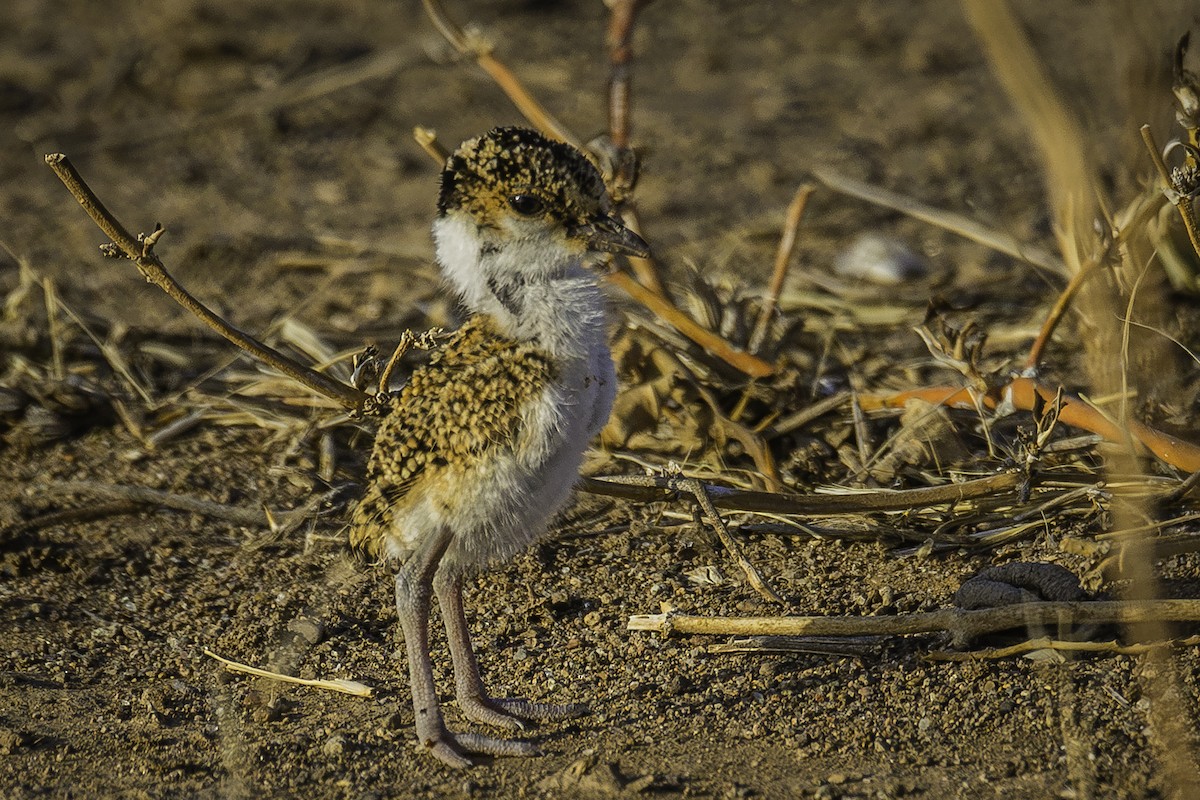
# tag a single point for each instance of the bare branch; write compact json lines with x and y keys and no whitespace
{"x":141,"y":253}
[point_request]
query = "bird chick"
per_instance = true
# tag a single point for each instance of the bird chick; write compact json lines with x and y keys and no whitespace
{"x":482,"y":445}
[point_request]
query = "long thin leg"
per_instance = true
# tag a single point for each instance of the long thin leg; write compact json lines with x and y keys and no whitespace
{"x":473,"y":700}
{"x":414,"y":583}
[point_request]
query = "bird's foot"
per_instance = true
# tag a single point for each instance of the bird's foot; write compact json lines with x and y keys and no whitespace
{"x":514,"y":713}
{"x":458,"y":749}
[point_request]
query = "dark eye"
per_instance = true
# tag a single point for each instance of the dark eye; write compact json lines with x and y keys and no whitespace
{"x":527,"y":205}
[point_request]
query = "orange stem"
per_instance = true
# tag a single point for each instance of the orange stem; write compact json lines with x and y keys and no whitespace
{"x":745,"y":362}
{"x":1021,"y":392}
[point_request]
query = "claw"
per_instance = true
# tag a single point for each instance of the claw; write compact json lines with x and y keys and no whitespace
{"x":456,"y":749}
{"x":447,"y":754}
{"x":486,"y":712}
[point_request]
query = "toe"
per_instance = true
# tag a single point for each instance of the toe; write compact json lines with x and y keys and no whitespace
{"x":478,"y":743}
{"x":447,"y":753}
{"x":487,"y":713}
{"x":541,"y":712}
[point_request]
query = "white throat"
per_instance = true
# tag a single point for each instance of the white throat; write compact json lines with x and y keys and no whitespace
{"x":535,"y":290}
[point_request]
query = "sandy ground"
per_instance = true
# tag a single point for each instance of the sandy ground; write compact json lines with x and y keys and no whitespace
{"x":289,"y":185}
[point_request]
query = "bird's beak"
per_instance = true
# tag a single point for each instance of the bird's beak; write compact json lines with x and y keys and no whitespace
{"x":609,"y":235}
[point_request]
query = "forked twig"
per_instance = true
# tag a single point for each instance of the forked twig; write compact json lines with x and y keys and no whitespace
{"x":141,"y":253}
{"x":677,"y":482}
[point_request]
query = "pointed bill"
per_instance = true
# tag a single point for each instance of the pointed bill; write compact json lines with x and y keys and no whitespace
{"x":608,"y":234}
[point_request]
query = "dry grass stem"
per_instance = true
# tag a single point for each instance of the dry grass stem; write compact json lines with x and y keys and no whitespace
{"x":713,"y":344}
{"x":783,"y":259}
{"x":481,"y":51}
{"x":1038,"y":348}
{"x":337,"y":685}
{"x":112,"y":355}
{"x":239,"y":515}
{"x":1069,"y":182}
{"x":804,"y":416}
{"x":955,"y":223}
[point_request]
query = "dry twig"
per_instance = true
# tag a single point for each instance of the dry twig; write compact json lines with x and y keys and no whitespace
{"x":141,"y":252}
{"x":783,"y":259}
{"x":965,"y":625}
{"x":143,"y":496}
{"x":657,"y":489}
{"x":1047,"y":643}
{"x":481,"y":51}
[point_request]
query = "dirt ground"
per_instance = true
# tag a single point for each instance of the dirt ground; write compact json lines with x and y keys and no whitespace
{"x":273,"y":141}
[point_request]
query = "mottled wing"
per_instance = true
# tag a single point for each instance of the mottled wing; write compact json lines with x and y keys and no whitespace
{"x":467,"y":402}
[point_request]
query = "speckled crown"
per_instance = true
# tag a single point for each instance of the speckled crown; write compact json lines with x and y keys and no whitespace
{"x":484,"y":172}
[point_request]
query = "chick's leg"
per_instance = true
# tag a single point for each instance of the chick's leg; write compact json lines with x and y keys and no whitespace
{"x":414,"y":583}
{"x":473,"y":699}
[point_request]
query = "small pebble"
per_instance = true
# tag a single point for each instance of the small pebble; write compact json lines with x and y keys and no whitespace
{"x":311,"y":631}
{"x":334,"y":746}
{"x":880,"y":259}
